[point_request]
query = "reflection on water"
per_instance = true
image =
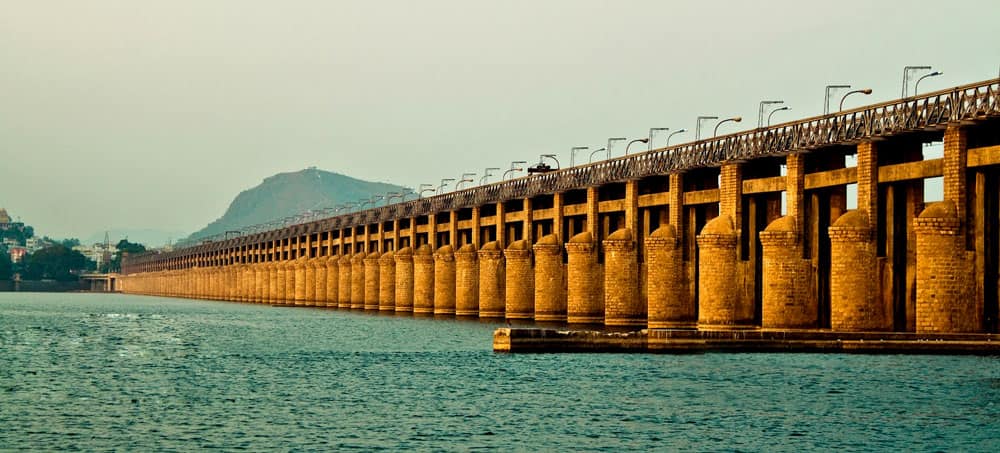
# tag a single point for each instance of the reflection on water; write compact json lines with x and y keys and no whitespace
{"x":90,"y":371}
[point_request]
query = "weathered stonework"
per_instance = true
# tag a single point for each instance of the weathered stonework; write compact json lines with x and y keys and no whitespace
{"x":669,"y":306}
{"x":550,"y":292}
{"x":492,"y":281}
{"x":423,"y":280}
{"x":404,"y":280}
{"x":520,"y":281}
{"x":344,"y":285}
{"x":718,"y":295}
{"x":444,"y":281}
{"x":945,"y":296}
{"x":372,"y":271}
{"x":358,"y":281}
{"x":332,"y":281}
{"x":387,"y":282}
{"x":585,"y":295}
{"x":853,"y":302}
{"x":309,"y":283}
{"x":787,"y":301}
{"x":319,"y":291}
{"x":466,"y":281}
{"x":622,"y":305}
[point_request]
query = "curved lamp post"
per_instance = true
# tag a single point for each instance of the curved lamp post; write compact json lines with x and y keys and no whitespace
{"x":769,"y":115}
{"x":425,"y":188}
{"x":865,"y":91}
{"x":612,"y":141}
{"x":907,"y":73}
{"x":573,"y":151}
{"x":735,"y":119}
{"x":916,"y":86}
{"x":514,"y":167}
{"x":592,"y":154}
{"x":487,"y":174}
{"x":679,"y":131}
{"x":652,"y":132}
{"x":444,"y":182}
{"x":697,"y":126}
{"x":763,"y":106}
{"x":638,"y":140}
{"x":826,"y":96}
{"x":466,"y":177}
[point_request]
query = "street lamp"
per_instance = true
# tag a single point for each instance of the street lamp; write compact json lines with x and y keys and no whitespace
{"x":573,"y":151}
{"x":826,"y":98}
{"x":487,"y":174}
{"x":444,"y":182}
{"x":917,"y":85}
{"x":465,"y":178}
{"x":735,"y":119}
{"x":760,"y":111}
{"x":907,"y":73}
{"x":675,"y":133}
{"x":514,"y":167}
{"x":425,"y":188}
{"x":697,"y":125}
{"x":653,"y":131}
{"x":638,"y":140}
{"x":592,"y":154}
{"x":865,"y":91}
{"x":769,"y":115}
{"x":611,"y":142}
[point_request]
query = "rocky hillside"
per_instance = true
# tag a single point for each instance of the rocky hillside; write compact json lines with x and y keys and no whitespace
{"x":288,"y":194}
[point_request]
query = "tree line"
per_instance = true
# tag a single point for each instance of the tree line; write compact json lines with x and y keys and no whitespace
{"x":60,"y":262}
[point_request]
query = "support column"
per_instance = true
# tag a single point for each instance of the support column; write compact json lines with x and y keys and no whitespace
{"x":795,"y":180}
{"x":585,"y":294}
{"x":372,"y":271}
{"x":404,"y":280}
{"x":632,"y":205}
{"x":476,"y":227}
{"x":332,"y":281}
{"x":667,"y":288}
{"x":319,"y":281}
{"x":550,"y":297}
{"x":719,"y":297}
{"x":787,"y":302}
{"x":622,"y":305}
{"x":423,"y":280}
{"x":520,"y":290}
{"x":501,"y":228}
{"x":593,"y":212}
{"x":946,"y":294}
{"x":955,"y":160}
{"x":854,"y":305}
{"x":558,"y":201}
{"x":466,"y":281}
{"x":358,"y":280}
{"x":527,"y":226}
{"x":868,"y":181}
{"x":309,"y":299}
{"x":387,"y":282}
{"x":300,"y":266}
{"x":345,"y":278}
{"x":444,"y":279}
{"x":492,"y":280}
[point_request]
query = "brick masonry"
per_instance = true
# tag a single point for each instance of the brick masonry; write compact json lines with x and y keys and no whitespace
{"x":466,"y":281}
{"x":945,"y":303}
{"x":622,"y":305}
{"x":492,"y":281}
{"x":718,"y":295}
{"x":786,"y":294}
{"x":585,"y":289}
{"x":668,"y":304}
{"x":423,"y":280}
{"x":444,"y":280}
{"x":520,"y":286}
{"x":854,"y":305}
{"x":550,"y":282}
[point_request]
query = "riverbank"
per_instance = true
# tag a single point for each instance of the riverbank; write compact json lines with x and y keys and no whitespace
{"x":521,"y":340}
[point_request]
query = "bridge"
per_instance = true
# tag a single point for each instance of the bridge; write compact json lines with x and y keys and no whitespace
{"x":748,"y":230}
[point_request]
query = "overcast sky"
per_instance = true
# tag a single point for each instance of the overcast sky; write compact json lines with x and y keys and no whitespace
{"x":155,"y":114}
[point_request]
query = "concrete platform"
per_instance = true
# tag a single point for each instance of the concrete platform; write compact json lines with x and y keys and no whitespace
{"x":701,"y":341}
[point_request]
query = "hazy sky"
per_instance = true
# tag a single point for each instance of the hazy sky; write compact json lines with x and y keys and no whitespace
{"x":155,"y":114}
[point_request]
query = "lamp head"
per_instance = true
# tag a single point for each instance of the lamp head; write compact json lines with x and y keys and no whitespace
{"x":867,"y":91}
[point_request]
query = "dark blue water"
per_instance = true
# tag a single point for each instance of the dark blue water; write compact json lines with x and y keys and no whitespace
{"x":91,"y":372}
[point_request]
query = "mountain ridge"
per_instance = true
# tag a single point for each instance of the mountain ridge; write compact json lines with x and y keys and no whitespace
{"x":291,"y":193}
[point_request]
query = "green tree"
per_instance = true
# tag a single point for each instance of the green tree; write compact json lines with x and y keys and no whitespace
{"x":132,"y":248}
{"x":55,"y":262}
{"x":70,"y":243}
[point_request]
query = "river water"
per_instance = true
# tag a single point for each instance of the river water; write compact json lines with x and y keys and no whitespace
{"x":97,"y":371}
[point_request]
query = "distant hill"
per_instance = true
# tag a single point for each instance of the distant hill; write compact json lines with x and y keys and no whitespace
{"x":288,"y":194}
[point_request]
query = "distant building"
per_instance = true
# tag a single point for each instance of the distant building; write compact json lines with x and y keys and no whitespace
{"x":4,"y":219}
{"x":17,"y":253}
